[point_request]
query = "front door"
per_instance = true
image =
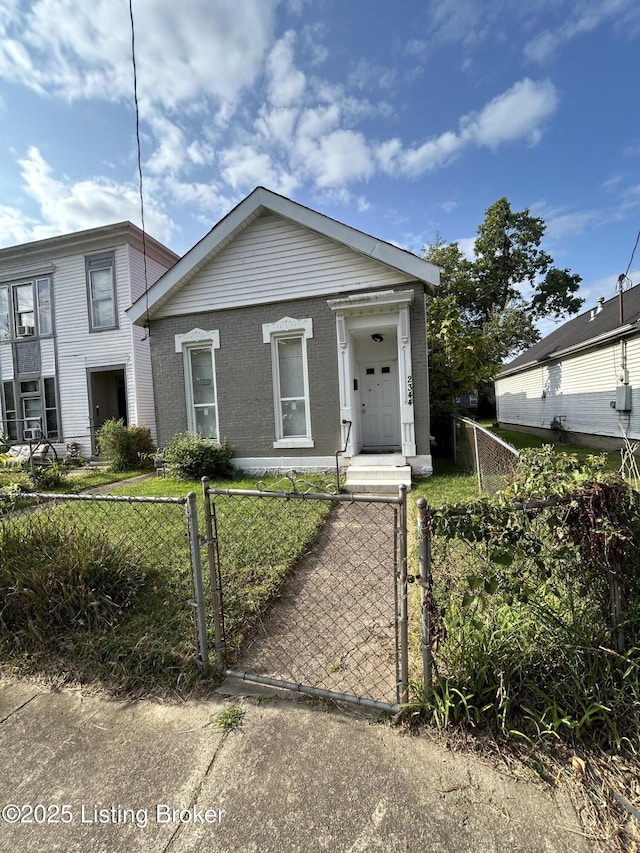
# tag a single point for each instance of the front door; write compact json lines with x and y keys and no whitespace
{"x":380,"y":405}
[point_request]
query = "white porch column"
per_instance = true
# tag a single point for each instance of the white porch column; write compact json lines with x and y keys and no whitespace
{"x":407,"y":420}
{"x":345,"y":382}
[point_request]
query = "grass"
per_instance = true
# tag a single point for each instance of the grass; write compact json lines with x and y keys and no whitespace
{"x":231,"y":719}
{"x":150,"y":646}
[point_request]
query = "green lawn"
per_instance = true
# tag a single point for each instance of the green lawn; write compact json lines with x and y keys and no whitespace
{"x":149,"y":644}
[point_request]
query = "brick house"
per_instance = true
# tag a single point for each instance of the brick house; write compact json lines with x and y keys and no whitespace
{"x":294,"y":336}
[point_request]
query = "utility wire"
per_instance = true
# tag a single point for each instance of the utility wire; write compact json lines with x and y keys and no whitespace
{"x":137,"y":110}
{"x":632,"y":254}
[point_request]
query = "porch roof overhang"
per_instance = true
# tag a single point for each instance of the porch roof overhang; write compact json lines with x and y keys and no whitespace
{"x":361,"y":304}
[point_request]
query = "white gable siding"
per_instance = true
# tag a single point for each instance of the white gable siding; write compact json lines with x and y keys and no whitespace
{"x":275,"y":260}
{"x":577,"y":390}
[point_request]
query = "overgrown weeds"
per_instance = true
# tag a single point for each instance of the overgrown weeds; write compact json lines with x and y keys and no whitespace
{"x":535,"y":613}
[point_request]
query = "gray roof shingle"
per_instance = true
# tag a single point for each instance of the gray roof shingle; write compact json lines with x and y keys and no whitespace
{"x":580,"y":330}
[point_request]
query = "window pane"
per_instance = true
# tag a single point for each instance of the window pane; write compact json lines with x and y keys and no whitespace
{"x":4,"y":314}
{"x":291,"y":367}
{"x":103,"y":314}
{"x":52,"y":423}
{"x":202,"y":376}
{"x":206,"y":421}
{"x":101,"y":284}
{"x":102,"y":300}
{"x":24,"y":297}
{"x":44,"y":306}
{"x":294,"y":418}
{"x":10,"y":426}
{"x":29,"y":387}
{"x":24,"y":314}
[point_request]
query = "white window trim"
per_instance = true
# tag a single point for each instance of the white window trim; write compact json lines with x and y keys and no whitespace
{"x":288,"y":327}
{"x":94,"y":263}
{"x":198,"y":339}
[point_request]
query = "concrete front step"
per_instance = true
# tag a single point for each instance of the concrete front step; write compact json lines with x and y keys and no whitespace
{"x":378,"y":479}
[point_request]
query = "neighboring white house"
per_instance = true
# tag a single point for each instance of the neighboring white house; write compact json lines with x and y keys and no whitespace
{"x":583,"y":378}
{"x":69,"y":356}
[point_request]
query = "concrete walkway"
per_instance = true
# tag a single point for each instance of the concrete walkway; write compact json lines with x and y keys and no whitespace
{"x":81,"y":772}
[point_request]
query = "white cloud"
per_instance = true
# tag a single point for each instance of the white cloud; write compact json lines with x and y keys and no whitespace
{"x":286,"y":82}
{"x":66,"y":206}
{"x":245,"y":167}
{"x":515,"y":114}
{"x":624,"y":14}
{"x":337,"y":159}
{"x":519,"y":113}
{"x":187,"y":51}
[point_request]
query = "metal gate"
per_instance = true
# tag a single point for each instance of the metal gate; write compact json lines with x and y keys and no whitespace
{"x":309,"y":590}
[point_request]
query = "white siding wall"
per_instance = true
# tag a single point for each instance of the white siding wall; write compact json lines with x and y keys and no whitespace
{"x":273,"y":260}
{"x":80,"y":349}
{"x":6,"y":362}
{"x":579,"y":390}
{"x":141,"y":400}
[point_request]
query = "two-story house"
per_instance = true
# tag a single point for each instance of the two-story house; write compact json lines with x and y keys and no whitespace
{"x":69,"y":356}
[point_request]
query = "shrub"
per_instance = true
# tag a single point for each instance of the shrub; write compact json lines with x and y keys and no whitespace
{"x":52,"y":580}
{"x":190,"y":456}
{"x":125,"y":447}
{"x":49,"y":476}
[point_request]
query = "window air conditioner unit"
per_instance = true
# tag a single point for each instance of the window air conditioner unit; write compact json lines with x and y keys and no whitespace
{"x":31,"y":434}
{"x":25,"y":331}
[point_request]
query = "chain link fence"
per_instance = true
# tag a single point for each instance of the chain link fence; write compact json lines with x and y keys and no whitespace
{"x":479,"y":450}
{"x":517,"y":578}
{"x":323,"y":576}
{"x":79,"y":556}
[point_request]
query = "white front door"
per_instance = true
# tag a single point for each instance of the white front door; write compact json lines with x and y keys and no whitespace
{"x":380,"y":409}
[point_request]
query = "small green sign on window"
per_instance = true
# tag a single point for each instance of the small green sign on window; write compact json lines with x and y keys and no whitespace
{"x":203,"y":382}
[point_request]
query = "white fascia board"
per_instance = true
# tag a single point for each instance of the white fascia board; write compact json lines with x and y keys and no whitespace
{"x":244,"y":213}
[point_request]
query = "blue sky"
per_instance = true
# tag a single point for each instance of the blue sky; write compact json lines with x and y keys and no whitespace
{"x":402,"y":119}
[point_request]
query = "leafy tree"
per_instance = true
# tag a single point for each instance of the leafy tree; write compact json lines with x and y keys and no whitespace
{"x":486,"y":308}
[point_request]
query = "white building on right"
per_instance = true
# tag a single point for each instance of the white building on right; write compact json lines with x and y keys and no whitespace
{"x":582,"y":380}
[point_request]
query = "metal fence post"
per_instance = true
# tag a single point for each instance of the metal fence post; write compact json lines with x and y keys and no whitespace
{"x":615,"y":597}
{"x":477,"y":454}
{"x":424,"y":563}
{"x":202,"y":661}
{"x":215,"y":579}
{"x":404,"y":630}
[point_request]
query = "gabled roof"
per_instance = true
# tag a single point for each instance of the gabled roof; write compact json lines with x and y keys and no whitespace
{"x":247,"y":211}
{"x":586,"y":331}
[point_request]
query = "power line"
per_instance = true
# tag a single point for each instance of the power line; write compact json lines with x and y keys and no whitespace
{"x":632,"y":254}
{"x":137,"y":111}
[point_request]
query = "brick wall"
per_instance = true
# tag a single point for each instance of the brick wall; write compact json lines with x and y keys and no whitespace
{"x":244,"y":376}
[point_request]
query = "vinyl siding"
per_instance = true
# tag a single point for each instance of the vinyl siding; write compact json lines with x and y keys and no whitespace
{"x":275,"y":260}
{"x":577,"y":390}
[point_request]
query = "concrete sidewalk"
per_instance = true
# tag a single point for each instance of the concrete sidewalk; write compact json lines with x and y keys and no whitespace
{"x":110,"y":775}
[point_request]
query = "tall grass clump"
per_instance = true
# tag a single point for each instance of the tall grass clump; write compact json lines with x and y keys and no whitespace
{"x":53,"y":580}
{"x":524,"y":636}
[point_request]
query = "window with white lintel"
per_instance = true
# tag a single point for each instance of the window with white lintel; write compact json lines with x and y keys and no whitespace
{"x":288,"y":341}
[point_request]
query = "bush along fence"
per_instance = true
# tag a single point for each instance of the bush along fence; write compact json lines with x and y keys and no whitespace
{"x":531,"y":605}
{"x":103,"y":586}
